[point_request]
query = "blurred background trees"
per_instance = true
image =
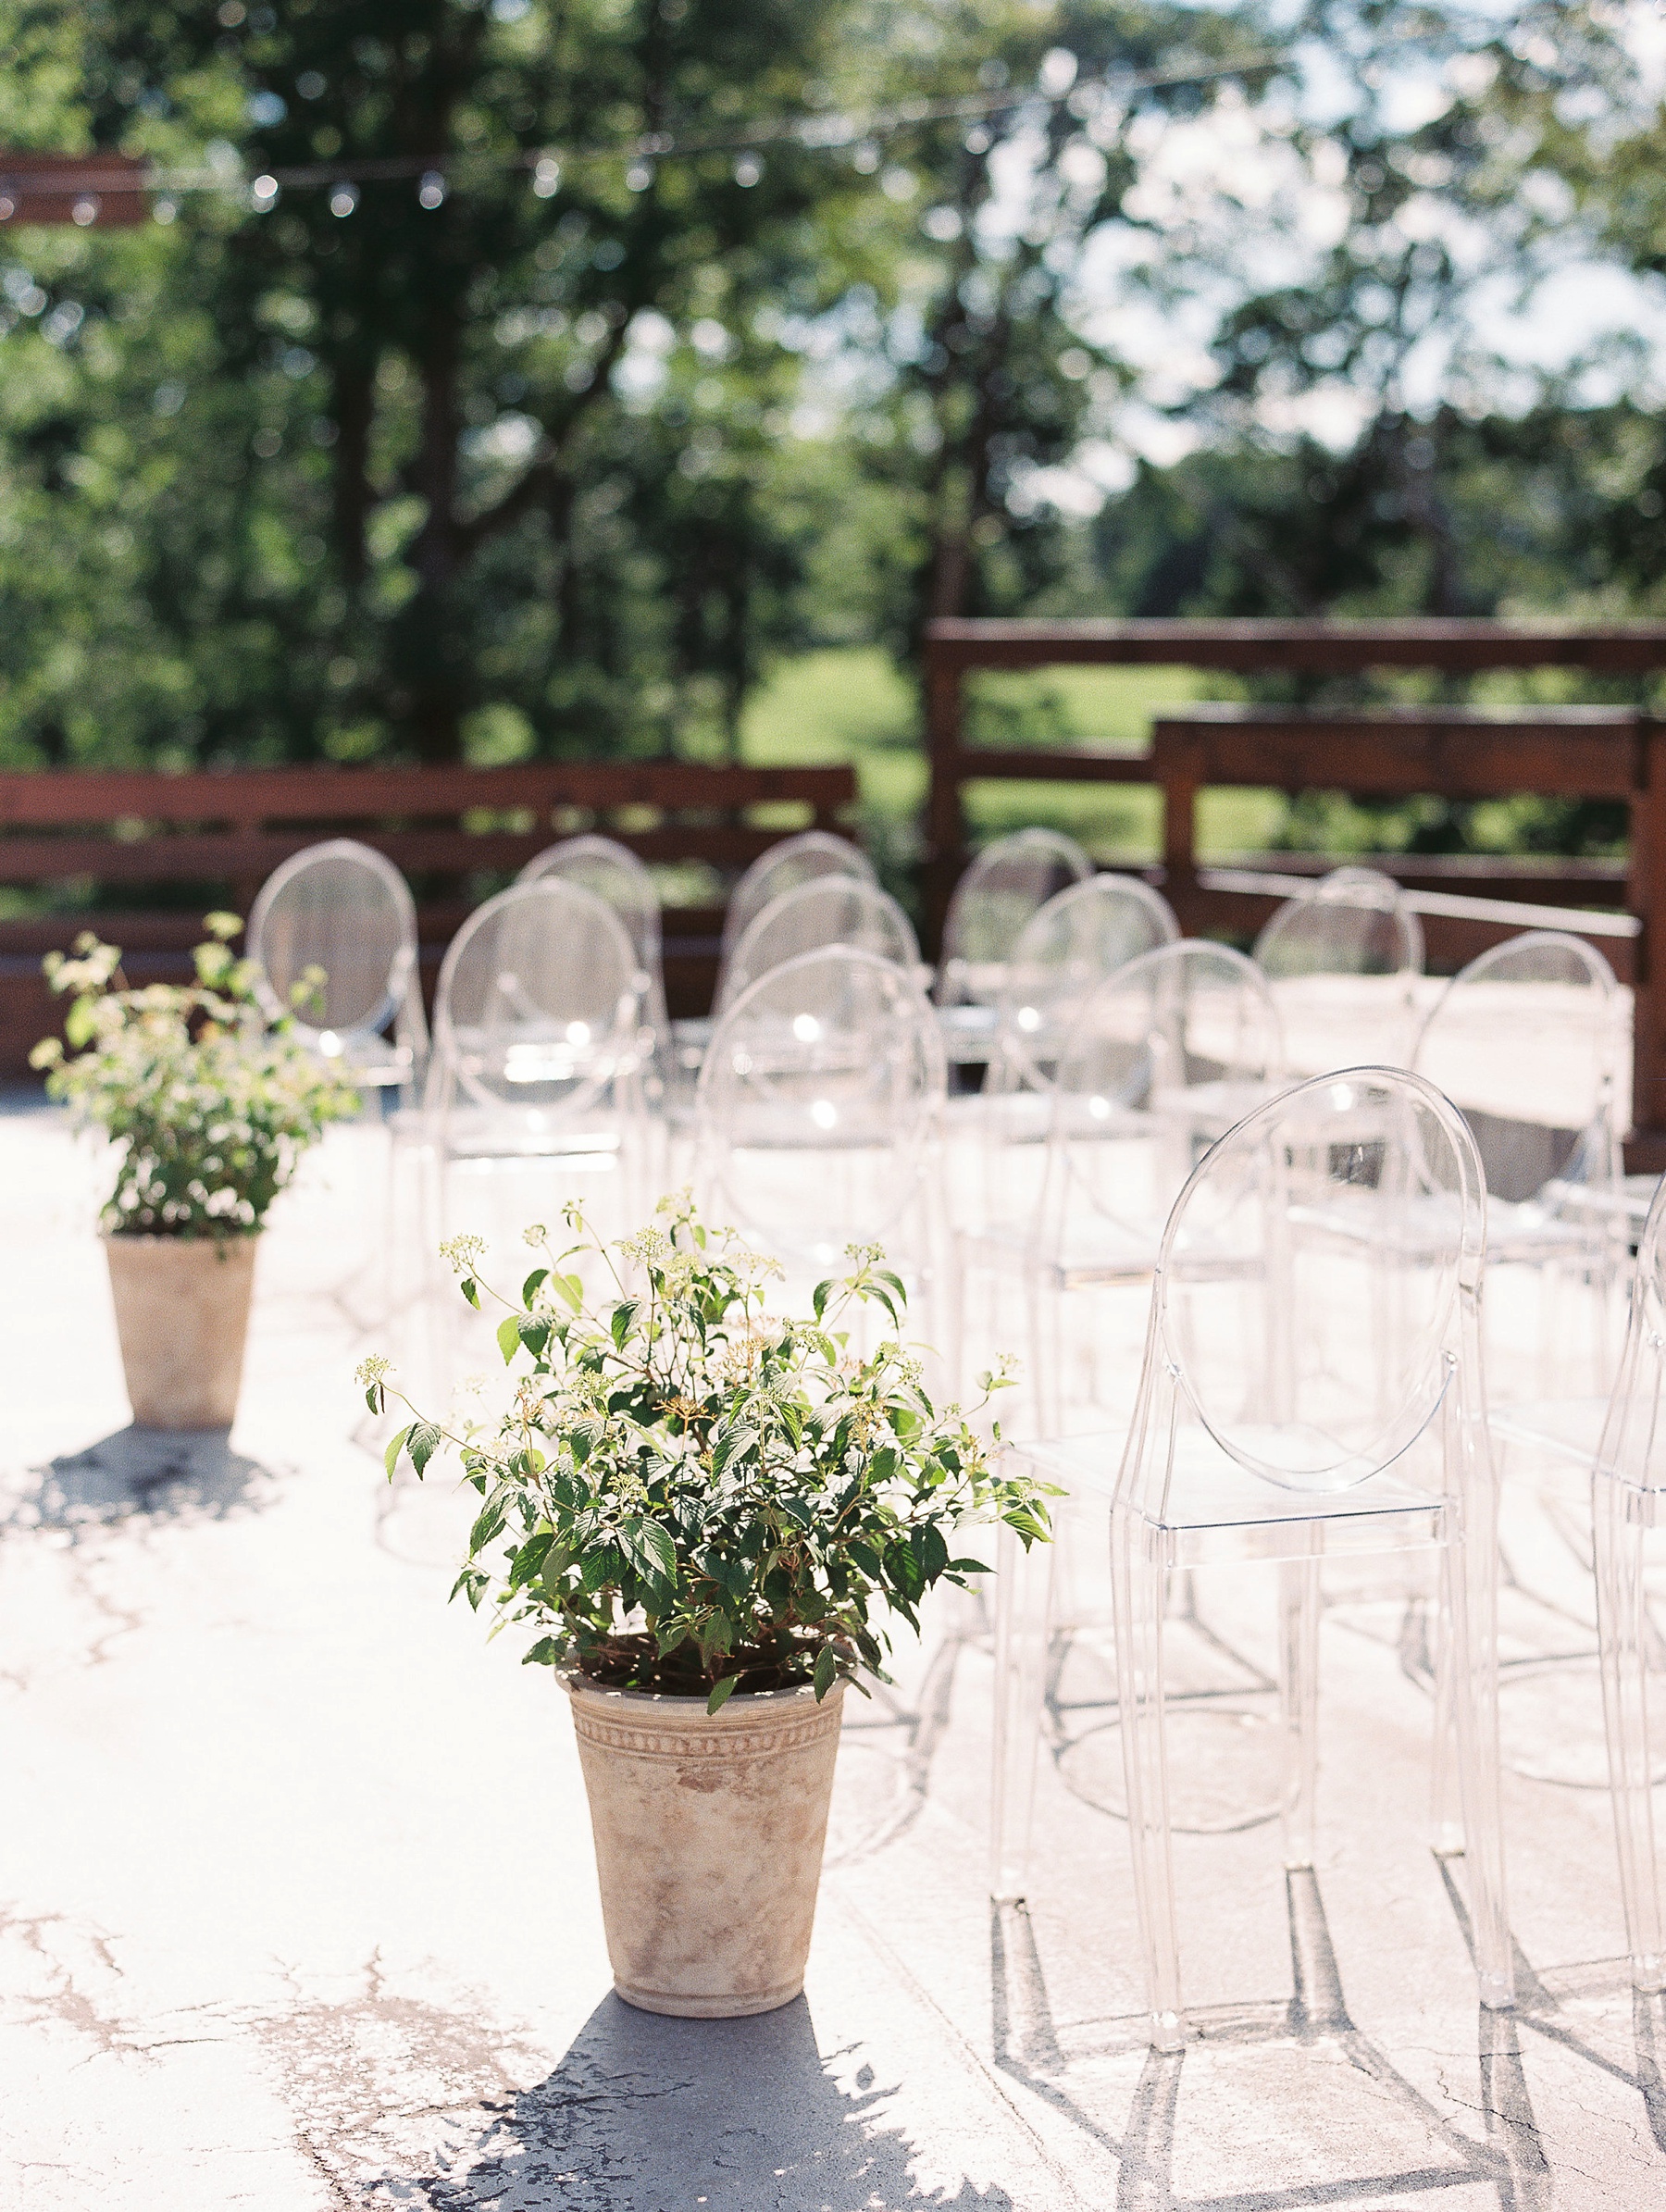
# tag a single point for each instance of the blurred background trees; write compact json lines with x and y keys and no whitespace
{"x":611,"y":372}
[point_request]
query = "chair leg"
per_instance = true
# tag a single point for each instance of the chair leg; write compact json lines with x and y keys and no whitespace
{"x":1621,"y":1630}
{"x":1298,"y":1602}
{"x":1137,"y":1587}
{"x":1046,"y":1308}
{"x":1024,"y":1585}
{"x":1470,"y":1586}
{"x":1446,"y":1812}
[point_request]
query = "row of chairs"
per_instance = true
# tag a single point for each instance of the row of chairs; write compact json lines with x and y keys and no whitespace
{"x":1314,"y":1253}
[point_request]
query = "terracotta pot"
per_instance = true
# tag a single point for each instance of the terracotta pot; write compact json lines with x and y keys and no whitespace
{"x":183,"y":1315}
{"x":709,"y":1831}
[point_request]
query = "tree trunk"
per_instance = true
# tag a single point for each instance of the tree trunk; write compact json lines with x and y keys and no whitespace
{"x":433,"y":647}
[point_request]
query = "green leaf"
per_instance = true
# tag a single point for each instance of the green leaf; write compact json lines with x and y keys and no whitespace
{"x":529,"y":1289}
{"x":819,"y":1297}
{"x":426,"y":1438}
{"x":656,"y":1542}
{"x":827,"y":1669}
{"x":730,"y":1446}
{"x":471,"y":1291}
{"x":488,"y":1524}
{"x":723,"y":1692}
{"x":546,"y":1652}
{"x":570,"y":1288}
{"x":623,"y":1313}
{"x":396,"y":1445}
{"x":509,"y":1337}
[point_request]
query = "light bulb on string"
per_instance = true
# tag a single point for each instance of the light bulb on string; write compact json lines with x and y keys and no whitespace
{"x":343,"y":199}
{"x":749,"y":170}
{"x":430,"y":192}
{"x":546,"y":176}
{"x":263,"y":194}
{"x":638,"y":176}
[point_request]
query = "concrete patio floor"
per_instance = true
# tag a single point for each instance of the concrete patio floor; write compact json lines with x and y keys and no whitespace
{"x":297,"y":1906}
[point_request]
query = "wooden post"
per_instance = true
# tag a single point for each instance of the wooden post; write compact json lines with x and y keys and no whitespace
{"x":1179,"y":777}
{"x":1646,"y":897}
{"x":945,"y":823}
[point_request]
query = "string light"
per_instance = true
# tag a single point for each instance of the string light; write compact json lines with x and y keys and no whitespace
{"x":437,"y":175}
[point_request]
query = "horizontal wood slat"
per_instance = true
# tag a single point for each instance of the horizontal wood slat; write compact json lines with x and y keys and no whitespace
{"x":250,"y":797}
{"x":211,"y":858}
{"x":1254,"y":646}
{"x":1586,"y":752}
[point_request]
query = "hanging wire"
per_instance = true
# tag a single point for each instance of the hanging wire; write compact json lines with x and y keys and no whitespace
{"x":437,"y":175}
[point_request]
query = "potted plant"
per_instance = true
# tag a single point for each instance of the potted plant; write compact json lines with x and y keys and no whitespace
{"x":211,"y":1104}
{"x":705,"y":1510}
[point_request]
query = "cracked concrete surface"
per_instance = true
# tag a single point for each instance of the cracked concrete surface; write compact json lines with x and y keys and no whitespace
{"x":297,"y":1908}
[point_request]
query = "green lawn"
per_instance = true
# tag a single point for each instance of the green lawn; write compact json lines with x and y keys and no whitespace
{"x":852,"y":705}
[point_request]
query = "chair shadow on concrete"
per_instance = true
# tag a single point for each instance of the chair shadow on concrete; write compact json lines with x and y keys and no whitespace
{"x":1027,"y":2047}
{"x":183,"y":1475}
{"x":645,"y":2114}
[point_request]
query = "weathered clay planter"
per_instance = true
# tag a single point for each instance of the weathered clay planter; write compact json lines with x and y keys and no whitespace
{"x":709,"y":1831}
{"x":183,"y":1316}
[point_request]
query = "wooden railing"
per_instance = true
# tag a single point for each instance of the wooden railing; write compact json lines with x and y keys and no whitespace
{"x":1615,"y":752}
{"x":141,"y":857}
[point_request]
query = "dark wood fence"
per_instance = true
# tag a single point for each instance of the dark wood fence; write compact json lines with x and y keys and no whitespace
{"x":142,"y":857}
{"x":1613,"y":752}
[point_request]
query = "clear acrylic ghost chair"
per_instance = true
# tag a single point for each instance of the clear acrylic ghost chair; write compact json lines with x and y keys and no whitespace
{"x":832,"y":910}
{"x":1154,"y":1066}
{"x":539,"y":1043}
{"x":1343,"y":961}
{"x":622,"y":881}
{"x":805,"y":858}
{"x":795,"y":860}
{"x":1081,"y":935}
{"x":1628,"y":1500}
{"x":1531,"y":1041}
{"x":1008,"y":883}
{"x":343,"y":908}
{"x":1275,"y":1426}
{"x":817,"y":1118}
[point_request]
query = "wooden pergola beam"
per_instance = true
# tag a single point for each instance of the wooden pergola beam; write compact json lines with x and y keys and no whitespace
{"x":104,"y":191}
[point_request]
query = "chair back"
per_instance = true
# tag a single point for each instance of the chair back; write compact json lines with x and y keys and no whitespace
{"x":1269,"y":1343}
{"x":1530,"y":1040}
{"x":830,"y":910}
{"x":341,"y":907}
{"x":540,"y":1003}
{"x":1008,"y":883}
{"x":616,"y":876}
{"x":793,"y":861}
{"x":819,"y":1100}
{"x":1343,"y":961}
{"x":1063,"y":953}
{"x":1634,"y":1435}
{"x":1163,"y":1059}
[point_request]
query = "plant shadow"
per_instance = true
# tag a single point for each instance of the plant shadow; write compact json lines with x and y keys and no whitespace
{"x":187,"y":1475}
{"x":645,"y":2113}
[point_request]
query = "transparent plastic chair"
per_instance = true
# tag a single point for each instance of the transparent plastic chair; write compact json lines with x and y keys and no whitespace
{"x":1276,"y":1425}
{"x":817,"y":1115}
{"x":623,"y":882}
{"x":1008,"y":883}
{"x":1150,"y":1068}
{"x":1628,"y":1500}
{"x":796,"y":860}
{"x":1532,"y":1042}
{"x":343,"y":907}
{"x":831,"y":910}
{"x":1063,"y":953}
{"x":1343,"y":963}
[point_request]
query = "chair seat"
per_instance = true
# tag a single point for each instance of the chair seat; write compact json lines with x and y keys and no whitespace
{"x":1566,"y":1428}
{"x":477,"y":1133}
{"x":1094,"y":1252}
{"x":1215,"y":1510}
{"x":1521,"y":1229}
